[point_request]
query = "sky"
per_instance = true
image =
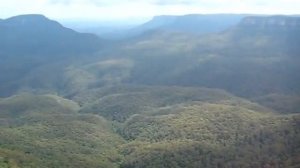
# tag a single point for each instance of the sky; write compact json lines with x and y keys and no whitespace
{"x":106,"y":10}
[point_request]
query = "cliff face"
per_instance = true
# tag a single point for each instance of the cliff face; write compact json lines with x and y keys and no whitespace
{"x":285,"y":22}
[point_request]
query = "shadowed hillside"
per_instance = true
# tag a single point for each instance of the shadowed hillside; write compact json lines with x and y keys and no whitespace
{"x":244,"y":60}
{"x":247,"y":60}
{"x":33,"y":44}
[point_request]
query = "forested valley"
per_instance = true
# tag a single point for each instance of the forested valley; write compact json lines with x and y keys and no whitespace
{"x":191,"y":91}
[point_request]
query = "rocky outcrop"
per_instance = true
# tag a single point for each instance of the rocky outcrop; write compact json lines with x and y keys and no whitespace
{"x":271,"y":22}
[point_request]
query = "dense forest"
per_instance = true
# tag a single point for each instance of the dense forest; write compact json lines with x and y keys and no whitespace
{"x":166,"y":95}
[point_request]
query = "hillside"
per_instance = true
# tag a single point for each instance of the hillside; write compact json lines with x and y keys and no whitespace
{"x":121,"y":102}
{"x":142,"y":126}
{"x":241,"y":60}
{"x":212,"y":139}
{"x":47,"y":131}
{"x":33,"y":44}
{"x":174,"y":127}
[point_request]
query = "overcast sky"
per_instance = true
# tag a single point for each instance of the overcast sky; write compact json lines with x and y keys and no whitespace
{"x":132,"y":9}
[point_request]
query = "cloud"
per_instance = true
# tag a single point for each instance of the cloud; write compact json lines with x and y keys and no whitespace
{"x":65,"y":2}
{"x":92,"y":2}
{"x":122,"y":9}
{"x":174,"y":2}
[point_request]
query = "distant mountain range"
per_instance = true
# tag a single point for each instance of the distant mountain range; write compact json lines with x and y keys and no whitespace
{"x":179,"y":50}
{"x":193,"y":23}
{"x":196,"y":23}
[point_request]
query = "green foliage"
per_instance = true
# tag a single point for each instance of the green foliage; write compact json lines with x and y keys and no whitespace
{"x":145,"y":126}
{"x":121,"y":102}
{"x":267,"y":140}
{"x":48,"y":129}
{"x":24,"y":103}
{"x":194,"y":127}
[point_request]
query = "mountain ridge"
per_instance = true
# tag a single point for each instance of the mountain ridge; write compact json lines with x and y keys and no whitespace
{"x":193,"y":23}
{"x":36,"y":33}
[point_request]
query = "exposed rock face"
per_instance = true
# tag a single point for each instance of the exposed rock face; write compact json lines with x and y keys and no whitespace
{"x":271,"y":22}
